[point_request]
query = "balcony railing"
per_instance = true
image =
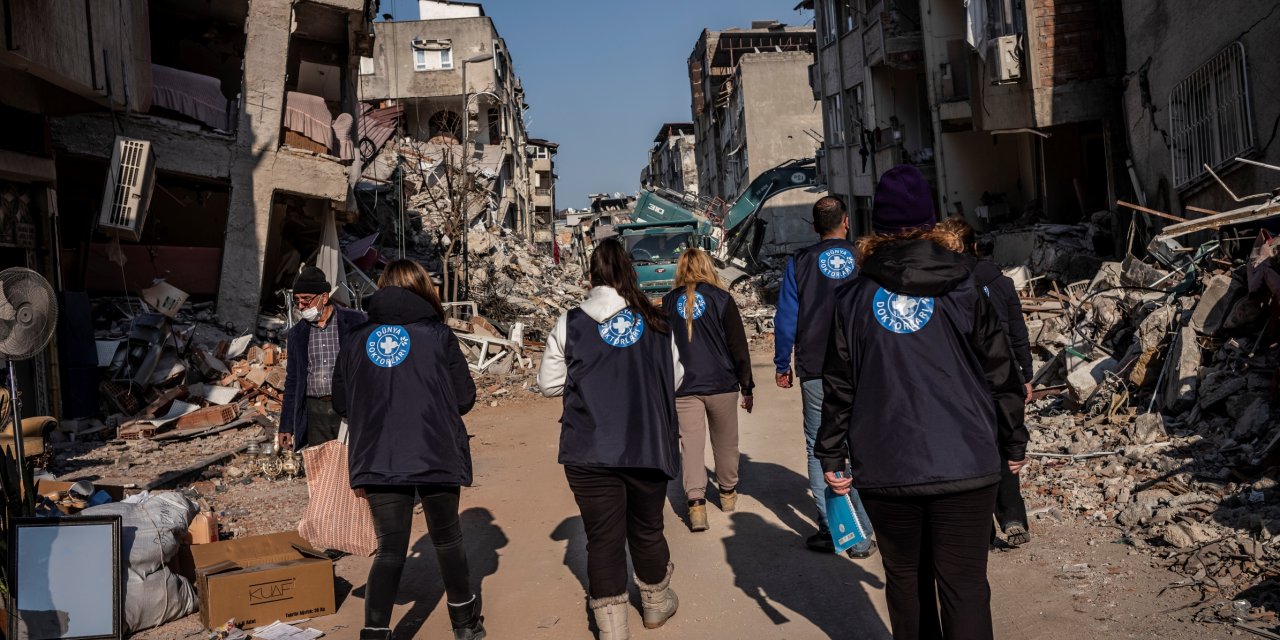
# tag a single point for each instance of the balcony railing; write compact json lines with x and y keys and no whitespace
{"x":541,"y":191}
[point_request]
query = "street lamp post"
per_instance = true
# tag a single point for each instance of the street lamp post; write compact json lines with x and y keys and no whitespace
{"x":466,"y":155}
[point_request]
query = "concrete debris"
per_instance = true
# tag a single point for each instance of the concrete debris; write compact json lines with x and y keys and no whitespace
{"x":1156,"y":385}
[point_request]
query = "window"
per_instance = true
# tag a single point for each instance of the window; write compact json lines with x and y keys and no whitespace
{"x":432,"y":55}
{"x":829,"y":20}
{"x":366,"y":66}
{"x":835,"y":121}
{"x":1209,"y":116}
{"x":495,"y":125}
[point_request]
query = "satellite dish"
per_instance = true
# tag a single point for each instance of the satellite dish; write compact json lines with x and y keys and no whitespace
{"x":28,"y":318}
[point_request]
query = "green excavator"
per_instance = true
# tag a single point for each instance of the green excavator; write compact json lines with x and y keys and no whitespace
{"x":664,"y":223}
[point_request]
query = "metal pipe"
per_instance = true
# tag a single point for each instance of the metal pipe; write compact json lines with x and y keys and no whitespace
{"x":18,"y":445}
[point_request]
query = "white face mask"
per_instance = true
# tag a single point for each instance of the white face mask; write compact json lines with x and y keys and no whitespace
{"x":310,"y":314}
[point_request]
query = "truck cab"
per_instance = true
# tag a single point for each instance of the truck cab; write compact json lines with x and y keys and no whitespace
{"x":655,"y":248}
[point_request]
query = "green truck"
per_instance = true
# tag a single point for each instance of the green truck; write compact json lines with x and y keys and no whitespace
{"x":665,"y":223}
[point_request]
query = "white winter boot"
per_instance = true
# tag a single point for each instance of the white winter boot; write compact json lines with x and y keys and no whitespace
{"x":658,"y":600}
{"x":611,"y":617}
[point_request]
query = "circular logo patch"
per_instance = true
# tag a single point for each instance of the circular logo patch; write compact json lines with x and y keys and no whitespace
{"x":388,"y":346}
{"x":699,"y":305}
{"x":836,"y":263}
{"x":622,"y":330}
{"x":902,"y":314}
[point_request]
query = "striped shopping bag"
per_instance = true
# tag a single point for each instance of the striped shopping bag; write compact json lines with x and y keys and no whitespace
{"x":335,"y":517}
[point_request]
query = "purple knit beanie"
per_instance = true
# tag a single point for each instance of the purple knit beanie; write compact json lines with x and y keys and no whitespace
{"x":903,"y":202}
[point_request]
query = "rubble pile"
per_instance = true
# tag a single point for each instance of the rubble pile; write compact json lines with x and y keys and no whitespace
{"x":1156,"y":416}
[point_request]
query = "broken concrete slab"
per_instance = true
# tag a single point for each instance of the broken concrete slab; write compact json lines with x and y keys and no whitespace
{"x":1181,"y":373}
{"x":1220,"y":294}
{"x":1085,"y":378}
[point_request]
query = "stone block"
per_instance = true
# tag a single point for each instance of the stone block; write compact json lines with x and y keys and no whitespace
{"x":1149,"y":428}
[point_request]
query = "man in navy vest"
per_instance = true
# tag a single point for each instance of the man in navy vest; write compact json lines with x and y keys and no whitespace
{"x":803,"y":322}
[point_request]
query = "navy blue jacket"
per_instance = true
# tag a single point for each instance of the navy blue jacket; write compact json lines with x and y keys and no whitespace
{"x":920,"y":389}
{"x":403,"y":385}
{"x":293,"y":415}
{"x":1004,"y":297}
{"x":803,"y":318}
{"x":718,"y":359}
{"x":618,"y":376}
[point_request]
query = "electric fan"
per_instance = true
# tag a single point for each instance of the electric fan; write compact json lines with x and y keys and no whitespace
{"x":28,"y":317}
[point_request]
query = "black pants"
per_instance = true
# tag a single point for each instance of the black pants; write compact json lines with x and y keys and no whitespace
{"x":935,"y":540}
{"x":392,"y":519}
{"x":322,"y":421}
{"x":621,"y":509}
{"x":1009,"y":505}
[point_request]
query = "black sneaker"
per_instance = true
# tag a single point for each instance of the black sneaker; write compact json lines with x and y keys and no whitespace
{"x":821,"y":542}
{"x":864,"y":554}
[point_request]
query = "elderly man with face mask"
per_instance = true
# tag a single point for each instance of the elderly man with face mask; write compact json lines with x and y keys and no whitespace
{"x":307,"y":418}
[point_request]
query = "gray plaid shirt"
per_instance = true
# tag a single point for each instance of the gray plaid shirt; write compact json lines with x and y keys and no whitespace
{"x":322,"y":355}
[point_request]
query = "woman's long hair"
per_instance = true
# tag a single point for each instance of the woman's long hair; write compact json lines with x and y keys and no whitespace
{"x":694,"y":267}
{"x":410,"y":275}
{"x":957,"y":235}
{"x":611,"y":267}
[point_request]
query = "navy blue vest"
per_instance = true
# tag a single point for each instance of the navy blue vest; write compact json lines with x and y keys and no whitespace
{"x":708,"y":365}
{"x":820,"y":270}
{"x":619,"y":395}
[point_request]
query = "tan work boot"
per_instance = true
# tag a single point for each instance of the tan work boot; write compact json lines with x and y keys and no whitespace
{"x":698,"y":515}
{"x":729,"y":500}
{"x":658,"y":601}
{"x":611,"y":617}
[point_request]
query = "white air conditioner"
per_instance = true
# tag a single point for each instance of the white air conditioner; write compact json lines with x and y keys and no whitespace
{"x":1005,"y":59}
{"x":127,"y":194}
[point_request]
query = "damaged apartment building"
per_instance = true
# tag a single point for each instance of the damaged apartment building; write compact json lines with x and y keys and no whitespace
{"x":1201,"y":92}
{"x":195,"y":142}
{"x":1008,"y":108}
{"x":752,"y":111}
{"x":673,"y":163}
{"x":451,"y":78}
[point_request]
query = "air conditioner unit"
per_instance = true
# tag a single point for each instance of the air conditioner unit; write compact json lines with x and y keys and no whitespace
{"x":127,"y":194}
{"x":1005,"y":59}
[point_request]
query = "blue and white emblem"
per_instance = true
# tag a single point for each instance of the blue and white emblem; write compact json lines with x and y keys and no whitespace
{"x":986,"y":290}
{"x":836,"y":263}
{"x":623,"y":329}
{"x":902,"y":314}
{"x":699,"y":305}
{"x":388,"y":346}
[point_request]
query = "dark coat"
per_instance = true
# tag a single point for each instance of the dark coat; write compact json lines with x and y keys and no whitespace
{"x":920,"y":388}
{"x":803,"y":318}
{"x":718,"y":359}
{"x":403,"y":385}
{"x":619,"y":395}
{"x":293,"y":415}
{"x":1004,"y":297}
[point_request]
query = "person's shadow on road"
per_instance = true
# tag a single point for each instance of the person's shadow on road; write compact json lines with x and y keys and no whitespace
{"x":772,"y":566}
{"x":421,"y":584}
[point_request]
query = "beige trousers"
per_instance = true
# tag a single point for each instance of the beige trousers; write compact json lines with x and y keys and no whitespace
{"x":694,"y":412}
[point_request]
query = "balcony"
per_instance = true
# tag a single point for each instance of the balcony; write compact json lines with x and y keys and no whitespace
{"x":540,"y":191}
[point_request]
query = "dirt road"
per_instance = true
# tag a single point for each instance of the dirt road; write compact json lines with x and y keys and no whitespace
{"x":750,"y":575}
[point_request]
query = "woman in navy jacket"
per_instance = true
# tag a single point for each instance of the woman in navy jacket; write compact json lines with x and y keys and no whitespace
{"x":403,"y":385}
{"x":717,"y":365}
{"x":921,"y":394}
{"x":614,"y":361}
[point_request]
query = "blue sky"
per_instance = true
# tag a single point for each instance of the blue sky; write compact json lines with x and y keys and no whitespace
{"x":601,"y":76}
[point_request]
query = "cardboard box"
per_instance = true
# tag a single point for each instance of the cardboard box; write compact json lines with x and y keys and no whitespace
{"x":261,"y":579}
{"x":53,"y":487}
